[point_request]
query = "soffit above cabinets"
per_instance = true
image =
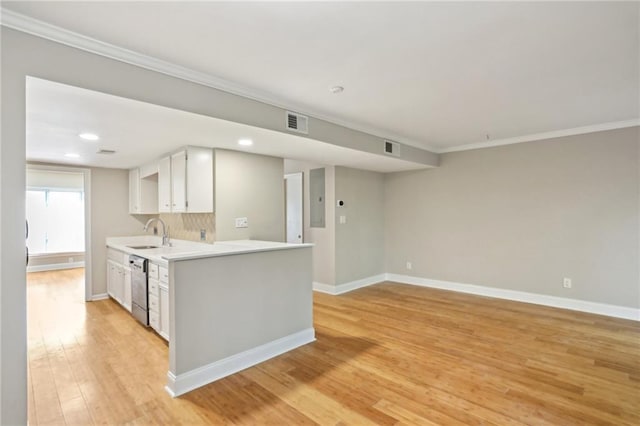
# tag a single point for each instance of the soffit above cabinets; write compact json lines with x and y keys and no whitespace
{"x":139,"y":132}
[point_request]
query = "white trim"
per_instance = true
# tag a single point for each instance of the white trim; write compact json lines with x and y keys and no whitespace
{"x":324,"y":288}
{"x":29,"y":25}
{"x":101,"y":296}
{"x":186,"y":382}
{"x":55,"y":266}
{"x":350,"y":286}
{"x":546,"y":135}
{"x":88,"y":239}
{"x":57,"y":34}
{"x":521,"y":296}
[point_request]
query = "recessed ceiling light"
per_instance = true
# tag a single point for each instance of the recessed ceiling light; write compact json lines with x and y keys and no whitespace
{"x":245,"y":142}
{"x":336,"y":89}
{"x":89,"y":136}
{"x":72,"y":155}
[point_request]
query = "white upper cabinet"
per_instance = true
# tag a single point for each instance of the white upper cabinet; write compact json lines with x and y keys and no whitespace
{"x":200,"y":180}
{"x":164,"y":185}
{"x":143,"y":190}
{"x":185,"y":181}
{"x":179,"y":182}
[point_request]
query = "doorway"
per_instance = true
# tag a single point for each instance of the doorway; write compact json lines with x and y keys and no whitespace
{"x":294,"y":207}
{"x":59,"y":220}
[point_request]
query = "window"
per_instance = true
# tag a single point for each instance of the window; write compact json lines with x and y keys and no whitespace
{"x":56,"y":221}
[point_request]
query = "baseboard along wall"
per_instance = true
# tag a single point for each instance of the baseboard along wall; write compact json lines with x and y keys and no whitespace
{"x":55,"y":266}
{"x":514,"y":295}
{"x":186,"y":382}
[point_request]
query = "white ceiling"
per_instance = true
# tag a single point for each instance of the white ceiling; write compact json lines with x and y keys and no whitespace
{"x":436,"y":75}
{"x":140,"y":132}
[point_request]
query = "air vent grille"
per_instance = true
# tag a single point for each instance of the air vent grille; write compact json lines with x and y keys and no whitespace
{"x":105,"y":151}
{"x":391,"y":148}
{"x":297,"y":122}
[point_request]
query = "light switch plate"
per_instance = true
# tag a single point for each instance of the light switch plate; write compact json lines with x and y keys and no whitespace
{"x":242,"y":222}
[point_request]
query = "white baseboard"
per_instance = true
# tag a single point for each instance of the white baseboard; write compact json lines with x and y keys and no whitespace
{"x":185,"y":382}
{"x":521,"y":296}
{"x":346,"y":287}
{"x":55,"y":266}
{"x":100,"y":296}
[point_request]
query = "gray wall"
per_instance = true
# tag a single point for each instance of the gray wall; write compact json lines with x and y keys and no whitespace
{"x":109,"y":218}
{"x":25,"y":55}
{"x":251,"y":186}
{"x":524,"y":216}
{"x":324,"y":239}
{"x":355,"y":250}
{"x":229,"y":304}
{"x":359,"y":241}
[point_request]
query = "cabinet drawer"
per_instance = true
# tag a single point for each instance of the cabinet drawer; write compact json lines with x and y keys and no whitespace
{"x":154,"y":304}
{"x":154,"y":320}
{"x":153,"y":271}
{"x":116,"y":255}
{"x":164,"y":275}
{"x":153,"y":287}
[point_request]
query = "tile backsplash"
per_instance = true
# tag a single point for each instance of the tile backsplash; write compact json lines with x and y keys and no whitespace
{"x":187,"y":226}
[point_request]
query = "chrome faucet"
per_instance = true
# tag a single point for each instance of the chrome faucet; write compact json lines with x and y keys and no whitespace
{"x":165,"y":235}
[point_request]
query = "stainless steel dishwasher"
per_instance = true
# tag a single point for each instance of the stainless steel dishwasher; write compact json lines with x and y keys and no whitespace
{"x":139,"y":293}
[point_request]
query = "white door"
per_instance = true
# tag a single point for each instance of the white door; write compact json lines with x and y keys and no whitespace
{"x":293,"y":194}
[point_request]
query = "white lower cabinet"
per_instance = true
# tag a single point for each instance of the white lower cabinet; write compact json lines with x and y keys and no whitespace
{"x":119,"y":289}
{"x":159,"y":299}
{"x":115,"y":280}
{"x":154,"y":304}
{"x":119,"y":278}
{"x":164,"y":311}
{"x":126,"y":288}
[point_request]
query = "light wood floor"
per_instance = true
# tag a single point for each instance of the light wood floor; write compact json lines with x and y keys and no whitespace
{"x":385,"y":354}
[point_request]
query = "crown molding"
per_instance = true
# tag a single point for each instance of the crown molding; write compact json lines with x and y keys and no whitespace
{"x":545,"y":135}
{"x":32,"y":26}
{"x":29,"y":25}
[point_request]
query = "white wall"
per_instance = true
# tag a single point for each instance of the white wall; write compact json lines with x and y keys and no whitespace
{"x":251,"y":186}
{"x":523,"y":217}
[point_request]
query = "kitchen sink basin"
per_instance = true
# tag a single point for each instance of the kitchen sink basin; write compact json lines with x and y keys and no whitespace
{"x":143,"y":247}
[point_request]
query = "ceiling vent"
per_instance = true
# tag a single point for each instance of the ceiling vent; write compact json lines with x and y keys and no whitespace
{"x":297,"y":123}
{"x":391,"y":148}
{"x":105,"y":151}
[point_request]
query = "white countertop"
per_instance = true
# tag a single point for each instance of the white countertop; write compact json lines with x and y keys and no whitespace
{"x":185,"y":250}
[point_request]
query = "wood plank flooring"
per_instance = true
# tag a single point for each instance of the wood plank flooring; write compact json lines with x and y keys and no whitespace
{"x":386,"y":354}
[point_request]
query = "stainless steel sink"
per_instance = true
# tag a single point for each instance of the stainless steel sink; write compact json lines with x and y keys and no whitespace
{"x":143,"y":247}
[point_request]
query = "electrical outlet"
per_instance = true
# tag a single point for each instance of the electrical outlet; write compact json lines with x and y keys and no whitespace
{"x":409,"y":265}
{"x":203,"y":234}
{"x":566,"y":283}
{"x":242,"y":222}
{"x":71,"y":260}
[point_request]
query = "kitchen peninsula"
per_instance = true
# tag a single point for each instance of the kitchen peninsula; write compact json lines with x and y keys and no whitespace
{"x":231,"y":304}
